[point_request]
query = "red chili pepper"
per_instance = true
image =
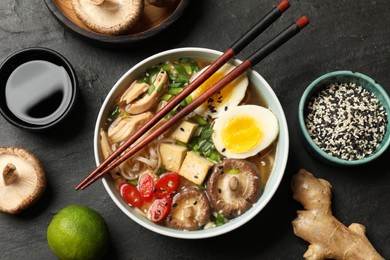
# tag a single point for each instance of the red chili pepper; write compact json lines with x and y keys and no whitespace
{"x":131,"y":195}
{"x":167,"y":184}
{"x":145,"y":186}
{"x":159,"y":209}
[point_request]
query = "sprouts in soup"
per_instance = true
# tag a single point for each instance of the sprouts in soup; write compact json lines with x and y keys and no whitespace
{"x":211,"y":166}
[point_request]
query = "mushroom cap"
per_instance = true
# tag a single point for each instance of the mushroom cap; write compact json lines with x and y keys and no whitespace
{"x":95,"y":2}
{"x":233,"y":187}
{"x":110,"y":17}
{"x":190,"y":210}
{"x":29,"y":180}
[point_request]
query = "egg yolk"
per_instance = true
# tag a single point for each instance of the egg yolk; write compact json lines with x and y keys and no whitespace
{"x":217,"y":99}
{"x":241,"y":134}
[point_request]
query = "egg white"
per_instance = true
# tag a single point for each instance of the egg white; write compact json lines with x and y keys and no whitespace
{"x":222,"y":103}
{"x":265,"y":120}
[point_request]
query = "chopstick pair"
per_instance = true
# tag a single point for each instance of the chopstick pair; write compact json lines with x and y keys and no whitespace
{"x":116,"y":159}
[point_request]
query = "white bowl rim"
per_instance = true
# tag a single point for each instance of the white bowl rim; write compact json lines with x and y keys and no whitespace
{"x":234,"y":223}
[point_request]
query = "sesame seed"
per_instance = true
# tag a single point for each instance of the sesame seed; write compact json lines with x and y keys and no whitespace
{"x":346,"y":121}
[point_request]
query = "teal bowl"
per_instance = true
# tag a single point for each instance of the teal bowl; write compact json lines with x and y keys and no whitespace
{"x":343,"y":77}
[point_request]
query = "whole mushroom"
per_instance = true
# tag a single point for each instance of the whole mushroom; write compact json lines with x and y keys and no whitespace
{"x":233,"y":187}
{"x":190,"y":210}
{"x":23,"y":179}
{"x":111,"y":17}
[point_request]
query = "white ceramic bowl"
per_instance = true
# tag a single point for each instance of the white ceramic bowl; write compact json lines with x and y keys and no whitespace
{"x":280,"y":158}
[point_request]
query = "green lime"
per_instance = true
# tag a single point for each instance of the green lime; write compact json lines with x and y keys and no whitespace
{"x":78,"y":232}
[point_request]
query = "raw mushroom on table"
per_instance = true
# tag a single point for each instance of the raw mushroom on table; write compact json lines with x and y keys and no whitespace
{"x":22,"y":181}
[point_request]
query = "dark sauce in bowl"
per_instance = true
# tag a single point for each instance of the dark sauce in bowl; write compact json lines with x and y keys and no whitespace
{"x":38,"y":92}
{"x":38,"y":88}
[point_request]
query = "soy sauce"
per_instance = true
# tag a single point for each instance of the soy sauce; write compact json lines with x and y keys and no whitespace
{"x":38,"y":92}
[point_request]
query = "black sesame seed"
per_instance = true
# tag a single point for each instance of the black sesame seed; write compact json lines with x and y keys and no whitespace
{"x":219,"y":191}
{"x":223,"y":150}
{"x":174,"y":204}
{"x":346,"y":121}
{"x":181,"y":129}
{"x":195,"y":202}
{"x":226,"y":108}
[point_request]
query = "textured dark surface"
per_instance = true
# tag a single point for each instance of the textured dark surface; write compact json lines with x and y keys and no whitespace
{"x":348,"y":34}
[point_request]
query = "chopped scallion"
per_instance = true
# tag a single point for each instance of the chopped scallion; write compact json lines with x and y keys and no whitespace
{"x":182,"y":143}
{"x":200,"y":120}
{"x":174,"y":91}
{"x":151,"y":89}
{"x":219,"y":220}
{"x":133,"y":182}
{"x":115,"y":113}
{"x":234,"y":171}
{"x":166,"y":97}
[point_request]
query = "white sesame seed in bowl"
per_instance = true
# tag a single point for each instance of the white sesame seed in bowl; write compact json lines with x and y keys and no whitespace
{"x":344,"y":118}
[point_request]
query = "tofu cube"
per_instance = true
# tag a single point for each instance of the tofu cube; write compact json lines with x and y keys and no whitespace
{"x":184,"y":132}
{"x":195,"y":168}
{"x":172,"y":156}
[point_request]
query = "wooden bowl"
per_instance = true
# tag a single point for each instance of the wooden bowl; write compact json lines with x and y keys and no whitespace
{"x":153,"y":21}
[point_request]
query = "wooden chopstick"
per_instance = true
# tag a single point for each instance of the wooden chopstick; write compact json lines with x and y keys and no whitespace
{"x":264,"y":51}
{"x":243,"y":41}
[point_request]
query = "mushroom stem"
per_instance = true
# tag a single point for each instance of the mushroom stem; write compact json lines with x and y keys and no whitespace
{"x":188,"y":212}
{"x":9,"y":174}
{"x":233,"y":183}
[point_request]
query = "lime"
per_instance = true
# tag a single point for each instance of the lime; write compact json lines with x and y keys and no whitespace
{"x":78,"y":232}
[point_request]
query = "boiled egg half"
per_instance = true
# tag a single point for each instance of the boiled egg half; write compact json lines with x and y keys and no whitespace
{"x":230,"y":96}
{"x":245,"y":131}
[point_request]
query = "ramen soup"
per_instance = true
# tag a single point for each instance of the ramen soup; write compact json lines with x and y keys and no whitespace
{"x":211,"y":166}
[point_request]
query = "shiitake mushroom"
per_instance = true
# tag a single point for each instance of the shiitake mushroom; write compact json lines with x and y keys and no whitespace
{"x":190,"y":210}
{"x":22,"y":180}
{"x":233,"y":186}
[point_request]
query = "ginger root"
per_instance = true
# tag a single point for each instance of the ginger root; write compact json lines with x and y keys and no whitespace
{"x":328,"y":237}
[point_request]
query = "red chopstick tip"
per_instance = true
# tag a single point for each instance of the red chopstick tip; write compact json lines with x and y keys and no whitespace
{"x":302,"y":22}
{"x":283,"y":6}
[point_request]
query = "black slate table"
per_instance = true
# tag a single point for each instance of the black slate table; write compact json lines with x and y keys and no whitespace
{"x":343,"y":35}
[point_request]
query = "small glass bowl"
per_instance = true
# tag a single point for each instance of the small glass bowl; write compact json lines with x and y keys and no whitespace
{"x":15,"y":61}
{"x":343,"y":77}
